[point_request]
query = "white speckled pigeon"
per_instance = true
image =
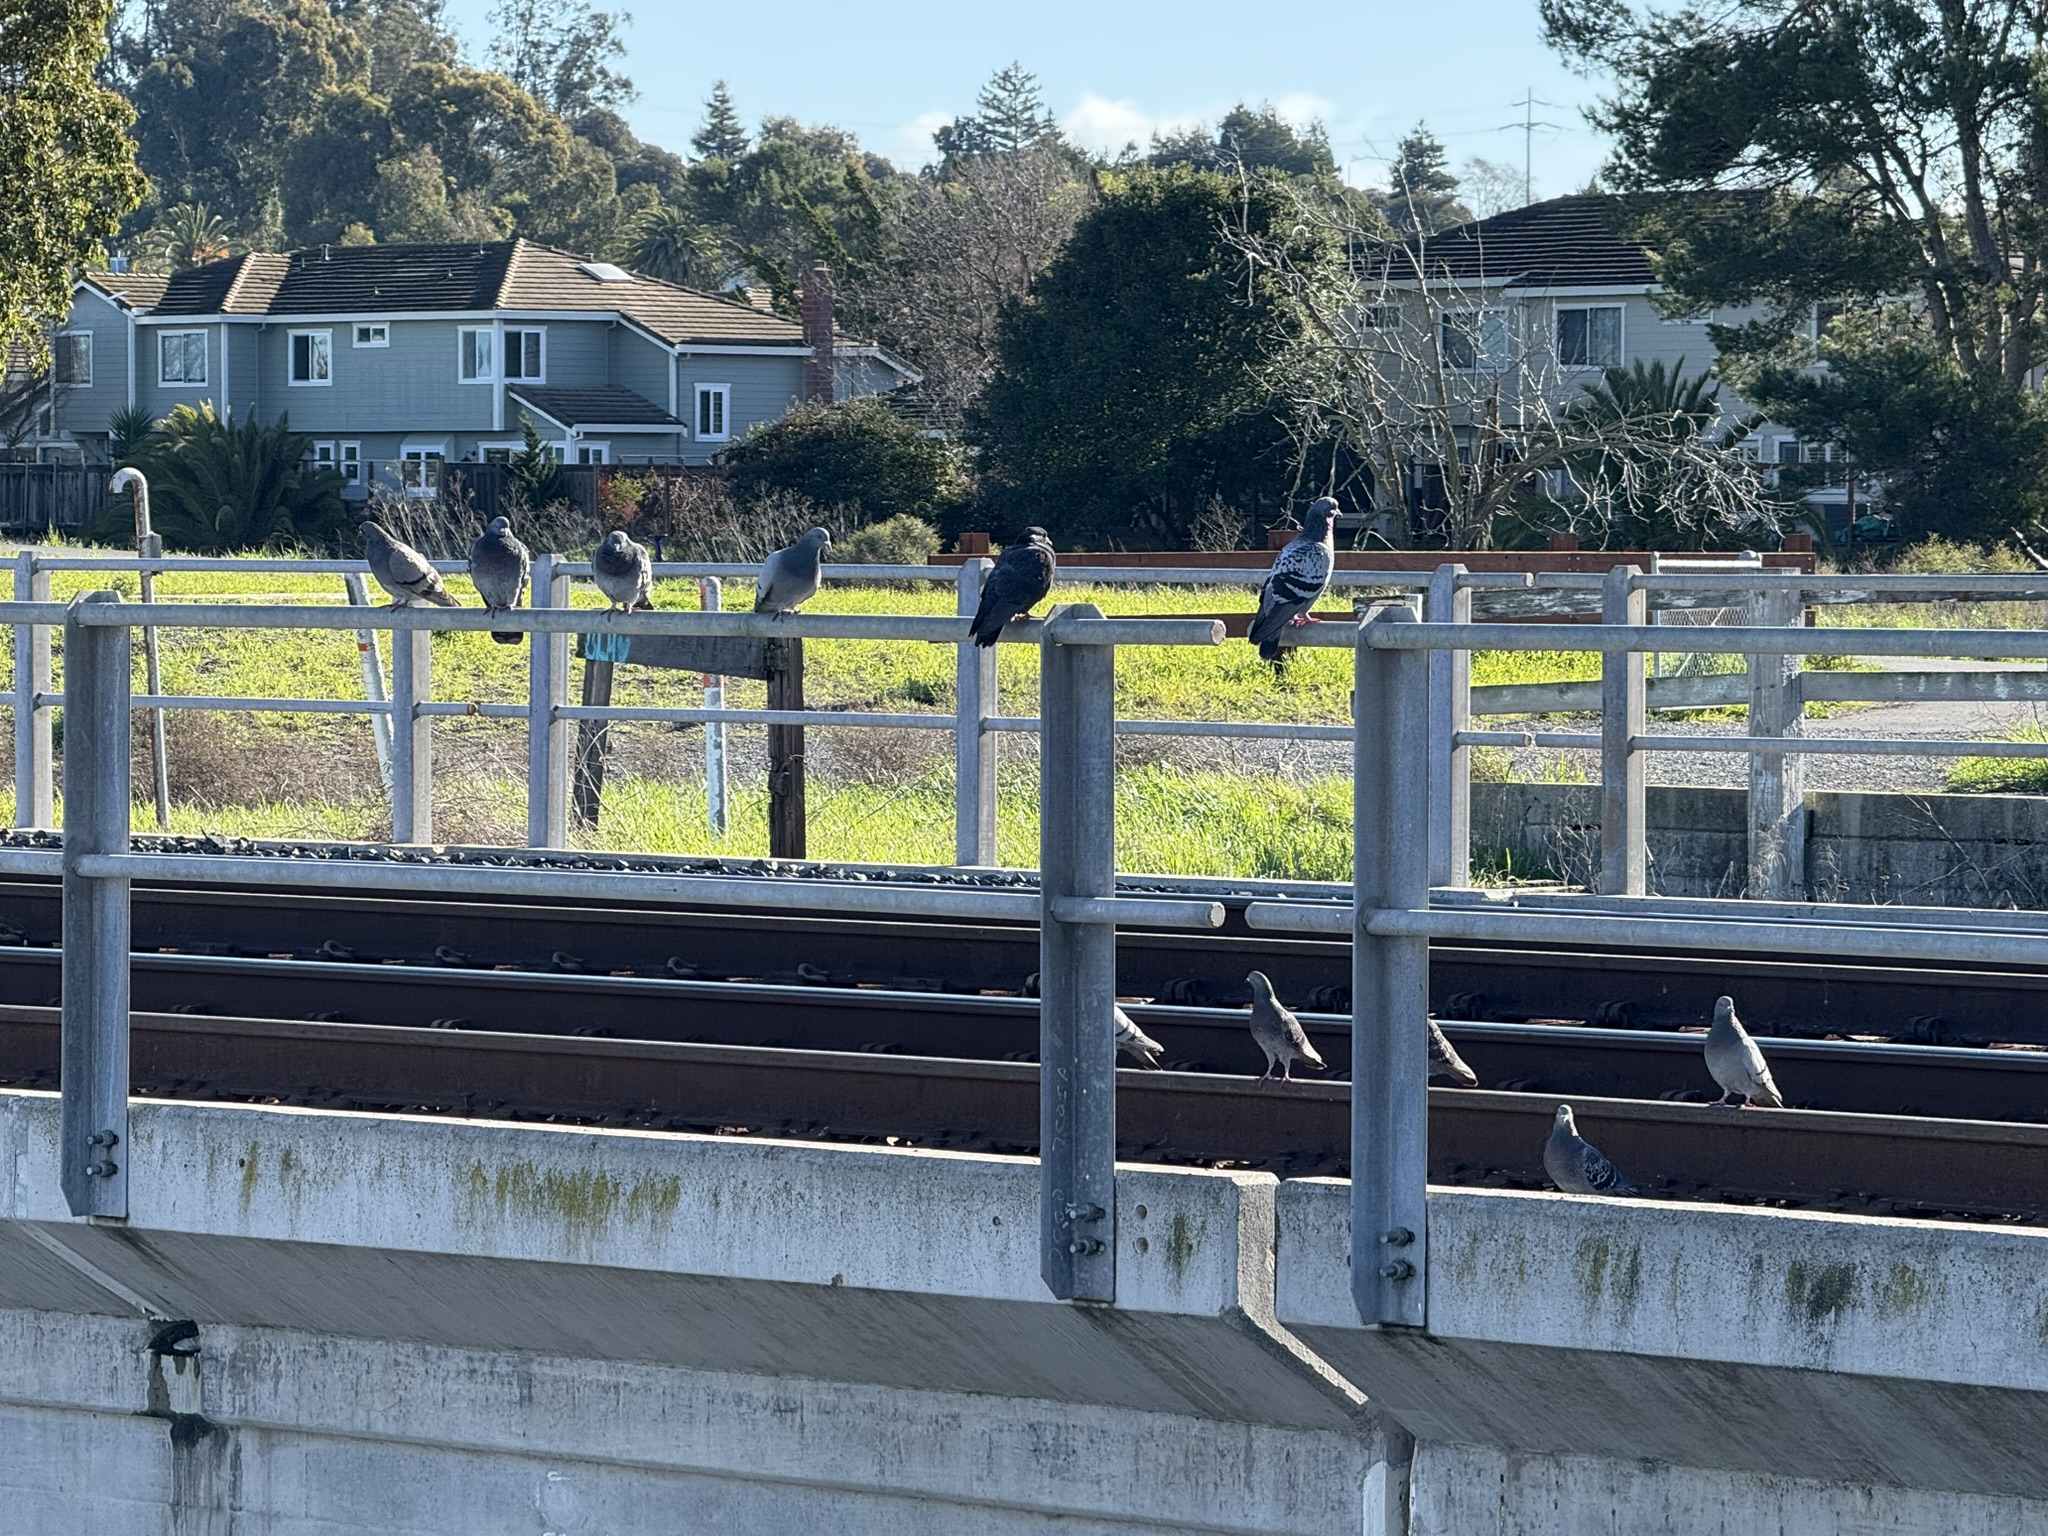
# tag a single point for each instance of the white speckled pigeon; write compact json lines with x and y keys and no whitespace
{"x":402,"y":570}
{"x":1301,"y":575}
{"x":790,"y":577}
{"x":623,"y":572}
{"x":1278,"y":1032}
{"x":1738,"y":1066}
{"x":1021,"y":579}
{"x":499,"y":565}
{"x":1444,"y":1060}
{"x":1576,"y":1166}
{"x":1134,"y":1042}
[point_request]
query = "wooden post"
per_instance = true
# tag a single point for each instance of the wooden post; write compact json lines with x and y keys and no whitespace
{"x":786,"y":752}
{"x":593,"y":740}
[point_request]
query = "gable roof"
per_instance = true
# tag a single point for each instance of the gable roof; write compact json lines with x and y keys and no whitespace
{"x":1563,"y":242}
{"x":613,"y":407}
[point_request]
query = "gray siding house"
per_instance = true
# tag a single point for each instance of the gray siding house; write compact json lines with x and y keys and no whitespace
{"x":402,"y":359}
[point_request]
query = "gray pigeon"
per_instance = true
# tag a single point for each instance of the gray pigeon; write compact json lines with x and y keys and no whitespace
{"x":1134,"y":1042}
{"x":1738,"y":1066}
{"x":1301,"y":575}
{"x":1576,"y":1166}
{"x":623,"y":572}
{"x":789,"y":577}
{"x":499,"y":564}
{"x":1278,"y":1032}
{"x":402,"y":570}
{"x":1444,"y":1060}
{"x":1020,"y":581}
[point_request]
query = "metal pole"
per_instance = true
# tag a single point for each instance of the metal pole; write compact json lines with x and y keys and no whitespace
{"x":94,"y":1053}
{"x":974,"y":749}
{"x":710,"y":599}
{"x":35,"y":800}
{"x":370,"y":654}
{"x":150,"y":547}
{"x":1077,"y":969}
{"x":1777,"y":813}
{"x":1450,"y":711}
{"x":412,"y":737}
{"x":1624,"y":843}
{"x":1389,"y":986}
{"x":547,"y":736}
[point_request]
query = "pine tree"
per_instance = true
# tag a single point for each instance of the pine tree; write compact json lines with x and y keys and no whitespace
{"x":722,"y":137}
{"x":1422,"y":191}
{"x":1009,"y":115}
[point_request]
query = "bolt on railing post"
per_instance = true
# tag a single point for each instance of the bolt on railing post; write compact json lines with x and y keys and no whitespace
{"x":711,"y":599}
{"x":1389,"y":984}
{"x":1624,"y":839}
{"x":412,"y":737}
{"x":1450,"y":712}
{"x":35,"y":799}
{"x":94,"y":1052}
{"x":974,"y":747}
{"x":1777,"y":812}
{"x":547,"y":736}
{"x":1077,"y":969}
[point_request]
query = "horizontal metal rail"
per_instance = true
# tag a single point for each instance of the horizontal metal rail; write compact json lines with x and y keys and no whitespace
{"x":1731,"y":640}
{"x":1249,"y":730}
{"x":1840,"y":746}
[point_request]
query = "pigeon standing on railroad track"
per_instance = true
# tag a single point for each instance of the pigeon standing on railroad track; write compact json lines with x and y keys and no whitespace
{"x":402,"y":570}
{"x":1444,"y":1060}
{"x":1578,"y":1167}
{"x":1736,"y":1062}
{"x":1278,"y":1032}
{"x":1300,"y":576}
{"x":1020,"y":581}
{"x":790,"y":577}
{"x":1135,"y":1043}
{"x":623,"y":572}
{"x":499,"y":565}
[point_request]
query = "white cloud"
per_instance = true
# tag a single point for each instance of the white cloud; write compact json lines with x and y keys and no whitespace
{"x":1107,"y":126}
{"x":1300,"y":108}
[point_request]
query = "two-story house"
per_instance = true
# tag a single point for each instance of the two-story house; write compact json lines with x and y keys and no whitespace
{"x":412,"y":357}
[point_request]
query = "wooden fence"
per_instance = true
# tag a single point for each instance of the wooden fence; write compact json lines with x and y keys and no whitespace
{"x":49,"y":498}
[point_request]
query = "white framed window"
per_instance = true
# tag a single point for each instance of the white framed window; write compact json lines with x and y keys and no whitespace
{"x":372,"y":333}
{"x":526,"y":355}
{"x":713,"y":415}
{"x":593,"y":453}
{"x":1474,"y":339}
{"x":1376,"y":317}
{"x":1750,"y":450}
{"x":72,"y":358}
{"x":181,"y":357}
{"x":323,"y":455}
{"x":477,"y":354}
{"x":1785,"y":450}
{"x":1589,"y":335}
{"x":419,"y":467}
{"x":349,"y":460}
{"x":499,"y":453}
{"x":312,"y":357}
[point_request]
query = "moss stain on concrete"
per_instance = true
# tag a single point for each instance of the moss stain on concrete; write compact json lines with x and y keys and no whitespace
{"x":1816,"y":1292}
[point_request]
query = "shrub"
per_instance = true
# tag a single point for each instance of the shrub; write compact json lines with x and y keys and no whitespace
{"x":899,"y":540}
{"x":858,"y":455}
{"x":217,"y":487}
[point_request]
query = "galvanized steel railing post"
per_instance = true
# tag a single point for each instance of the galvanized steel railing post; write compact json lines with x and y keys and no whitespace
{"x":1624,"y":841}
{"x":1777,"y":780}
{"x":1389,"y":985}
{"x":35,"y":799}
{"x":711,"y":599}
{"x":370,"y":653}
{"x":1077,"y":969}
{"x":94,"y":1163}
{"x":974,"y":748}
{"x":547,"y":736}
{"x":412,"y":737}
{"x":1450,"y":712}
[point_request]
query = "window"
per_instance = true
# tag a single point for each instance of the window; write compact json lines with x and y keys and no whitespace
{"x":1589,"y":336}
{"x":499,"y":453}
{"x":479,"y":359}
{"x":419,"y":467}
{"x":312,"y":356}
{"x":711,"y":412}
{"x":376,"y":334}
{"x":181,"y":357}
{"x":73,"y":358}
{"x":1788,"y":450}
{"x":1475,"y":338}
{"x":526,"y":355}
{"x":323,"y":455}
{"x":1376,"y":317}
{"x":350,"y":463}
{"x":593,"y":453}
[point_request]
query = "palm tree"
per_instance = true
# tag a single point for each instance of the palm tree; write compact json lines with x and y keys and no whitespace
{"x":190,"y":236}
{"x":217,"y":487}
{"x":131,"y":431}
{"x":664,"y":242}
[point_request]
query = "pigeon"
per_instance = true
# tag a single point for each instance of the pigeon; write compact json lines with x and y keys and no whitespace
{"x":1134,"y":1042}
{"x":498,"y":564}
{"x":623,"y":572}
{"x":1444,"y":1060}
{"x":1738,"y":1066}
{"x":1576,"y":1166}
{"x":402,"y":570}
{"x":1278,"y":1032}
{"x":1018,"y":584}
{"x":1301,"y":575}
{"x":789,"y":577}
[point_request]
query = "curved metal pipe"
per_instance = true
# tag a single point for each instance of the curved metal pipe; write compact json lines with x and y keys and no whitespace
{"x":150,"y":547}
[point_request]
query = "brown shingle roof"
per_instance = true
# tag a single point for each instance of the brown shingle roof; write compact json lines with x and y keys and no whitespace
{"x":1564,"y":242}
{"x":544,"y":278}
{"x":612,"y":407}
{"x":137,"y":290}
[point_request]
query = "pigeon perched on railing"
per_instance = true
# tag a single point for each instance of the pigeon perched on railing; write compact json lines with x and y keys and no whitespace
{"x":499,"y":565}
{"x":790,"y":577}
{"x":1576,"y":1166}
{"x":1300,"y":576}
{"x":1021,"y":579}
{"x":623,"y":572}
{"x":1736,"y":1062}
{"x":1444,"y":1060}
{"x":1134,"y":1042}
{"x":402,"y":570}
{"x":1278,"y":1033}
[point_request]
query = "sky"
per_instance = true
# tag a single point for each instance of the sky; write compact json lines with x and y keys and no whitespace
{"x":891,"y":71}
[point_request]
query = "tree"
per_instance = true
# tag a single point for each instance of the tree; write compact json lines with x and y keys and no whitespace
{"x":722,"y":136}
{"x":217,"y":488}
{"x":857,"y":454}
{"x":561,"y":51}
{"x":665,"y":242}
{"x":1422,"y":193}
{"x":1491,"y":187}
{"x":1009,"y":115}
{"x":190,"y":235}
{"x":536,"y":472}
{"x":1257,"y":138}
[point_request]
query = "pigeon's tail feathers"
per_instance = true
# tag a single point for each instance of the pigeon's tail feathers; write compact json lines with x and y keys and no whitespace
{"x":1308,"y":1054}
{"x":442,"y":597}
{"x":1767,"y":1091}
{"x":507,"y":637}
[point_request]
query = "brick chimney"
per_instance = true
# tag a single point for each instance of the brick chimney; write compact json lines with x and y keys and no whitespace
{"x":819,"y":366}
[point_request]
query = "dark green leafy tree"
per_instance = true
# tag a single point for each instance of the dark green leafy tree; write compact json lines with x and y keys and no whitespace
{"x":131,"y":432}
{"x":722,"y":136}
{"x":1009,"y":115}
{"x":1421,"y":195}
{"x":1256,"y":138}
{"x":536,"y":472}
{"x":858,"y":455}
{"x":562,"y":52}
{"x":666,"y":242}
{"x":216,"y":488}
